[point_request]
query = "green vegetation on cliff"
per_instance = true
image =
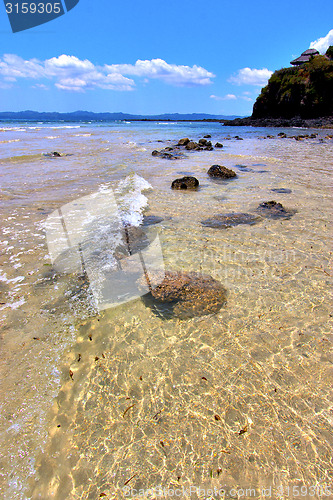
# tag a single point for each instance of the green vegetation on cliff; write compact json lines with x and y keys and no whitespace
{"x":305,"y":91}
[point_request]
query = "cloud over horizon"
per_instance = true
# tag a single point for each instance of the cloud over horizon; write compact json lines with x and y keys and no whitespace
{"x":70,"y":73}
{"x":248,"y":76}
{"x":228,"y":97}
{"x":323,"y":43}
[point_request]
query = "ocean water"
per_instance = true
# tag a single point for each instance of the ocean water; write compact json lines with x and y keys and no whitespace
{"x":102,"y":400}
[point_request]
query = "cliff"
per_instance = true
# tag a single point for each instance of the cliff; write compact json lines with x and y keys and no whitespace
{"x":304,"y":91}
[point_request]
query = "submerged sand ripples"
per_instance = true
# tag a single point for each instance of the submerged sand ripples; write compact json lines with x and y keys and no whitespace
{"x":238,"y":399}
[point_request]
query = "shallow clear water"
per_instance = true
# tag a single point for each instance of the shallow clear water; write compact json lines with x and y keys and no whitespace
{"x":94,"y":402}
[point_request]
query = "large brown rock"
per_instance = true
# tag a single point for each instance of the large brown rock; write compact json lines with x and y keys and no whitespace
{"x":192,"y":146}
{"x":186,"y":182}
{"x":184,"y":295}
{"x":183,"y":142}
{"x":221,"y":172}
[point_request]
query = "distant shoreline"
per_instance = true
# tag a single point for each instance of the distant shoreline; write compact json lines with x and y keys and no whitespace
{"x":323,"y":122}
{"x":297,"y":122}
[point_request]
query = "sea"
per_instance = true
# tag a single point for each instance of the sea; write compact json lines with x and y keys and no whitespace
{"x":103,"y":397}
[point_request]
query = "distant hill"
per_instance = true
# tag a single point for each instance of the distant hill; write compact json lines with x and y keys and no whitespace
{"x":304,"y":91}
{"x":90,"y":116}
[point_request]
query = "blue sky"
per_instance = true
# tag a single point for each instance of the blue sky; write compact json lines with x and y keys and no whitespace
{"x":154,"y":57}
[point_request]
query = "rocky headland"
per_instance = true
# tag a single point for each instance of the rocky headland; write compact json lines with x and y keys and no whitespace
{"x":299,"y":96}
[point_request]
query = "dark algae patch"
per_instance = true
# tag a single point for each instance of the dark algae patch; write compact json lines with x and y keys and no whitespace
{"x":224,"y":221}
{"x":274,"y":210}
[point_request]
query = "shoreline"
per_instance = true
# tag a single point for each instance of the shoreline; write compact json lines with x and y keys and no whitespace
{"x":295,"y":122}
{"x":323,"y":122}
{"x":320,"y":123}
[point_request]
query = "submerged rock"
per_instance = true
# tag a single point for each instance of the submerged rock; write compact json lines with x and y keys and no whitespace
{"x":54,"y":154}
{"x":224,"y":221}
{"x":274,"y":210}
{"x":133,"y":240}
{"x":184,"y":295}
{"x":165,"y":153}
{"x":207,"y":136}
{"x":244,"y":168}
{"x":221,"y":172}
{"x":281,"y":190}
{"x":218,"y":145}
{"x":148,"y":220}
{"x":186,"y":182}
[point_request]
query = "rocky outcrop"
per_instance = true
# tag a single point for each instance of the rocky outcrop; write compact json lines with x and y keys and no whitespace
{"x":304,"y":91}
{"x":186,"y":182}
{"x":297,"y":121}
{"x":221,"y":172}
{"x":184,"y":295}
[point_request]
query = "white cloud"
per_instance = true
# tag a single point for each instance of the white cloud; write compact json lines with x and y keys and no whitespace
{"x":227,"y":97}
{"x":40,"y":86}
{"x":323,"y":43}
{"x":73,"y":74}
{"x":169,"y":73}
{"x":248,"y":76}
{"x":13,"y":67}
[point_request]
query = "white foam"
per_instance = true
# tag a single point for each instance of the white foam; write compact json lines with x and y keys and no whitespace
{"x":131,"y":200}
{"x":9,"y":141}
{"x":66,"y":126}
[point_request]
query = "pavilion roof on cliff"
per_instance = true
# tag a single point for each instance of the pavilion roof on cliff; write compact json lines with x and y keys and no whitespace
{"x":305,"y":57}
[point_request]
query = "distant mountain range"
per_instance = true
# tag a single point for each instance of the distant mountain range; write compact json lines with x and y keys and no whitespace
{"x":88,"y":116}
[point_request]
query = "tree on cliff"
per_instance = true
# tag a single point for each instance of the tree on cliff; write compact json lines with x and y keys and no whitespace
{"x":305,"y":91}
{"x":329,"y":52}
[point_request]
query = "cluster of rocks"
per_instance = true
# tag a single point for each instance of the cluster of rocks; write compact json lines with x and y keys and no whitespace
{"x":215,"y":171}
{"x":167,"y":155}
{"x":283,"y":135}
{"x":176,"y":152}
{"x":186,"y":295}
{"x":323,"y":122}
